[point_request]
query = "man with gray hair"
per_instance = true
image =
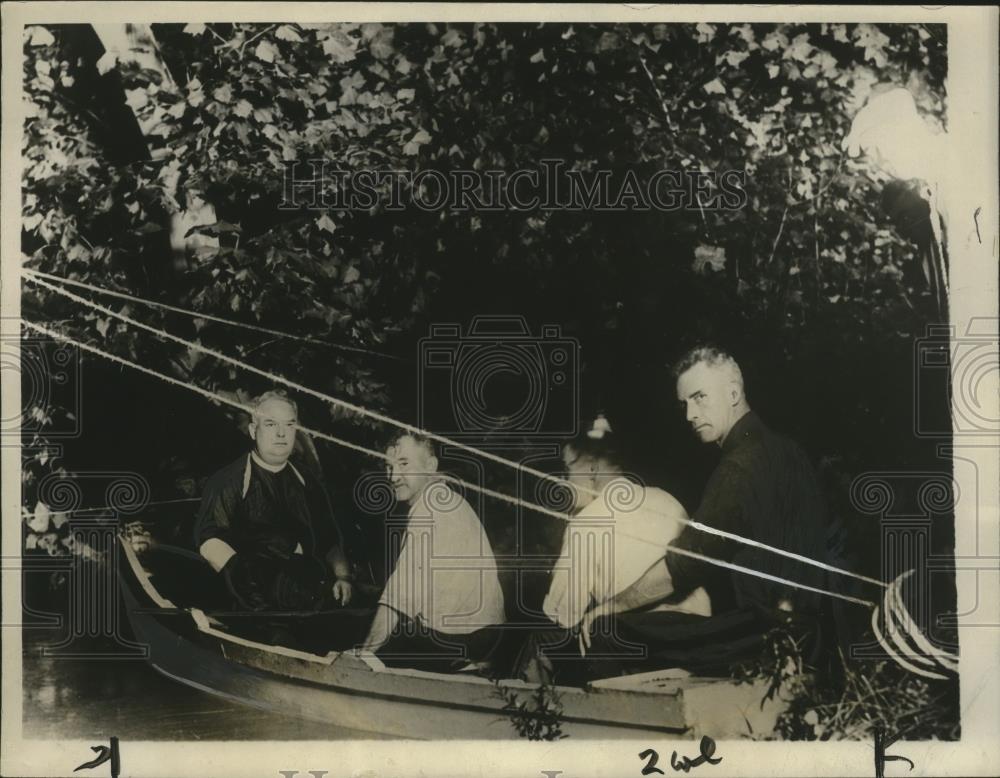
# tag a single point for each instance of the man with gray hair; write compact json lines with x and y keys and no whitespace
{"x":267,"y":527}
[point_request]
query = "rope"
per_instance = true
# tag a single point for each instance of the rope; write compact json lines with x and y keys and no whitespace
{"x":895,"y":654}
{"x":176,"y":382}
{"x":379,"y":455}
{"x":360,"y":410}
{"x":899,"y":626}
{"x":895,"y":597}
{"x":206,"y":316}
{"x":113,"y":508}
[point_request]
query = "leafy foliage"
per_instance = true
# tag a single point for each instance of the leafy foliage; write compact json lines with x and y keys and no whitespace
{"x":45,"y":530}
{"x":243,"y":101}
{"x":539,"y":717}
{"x":863,"y":696}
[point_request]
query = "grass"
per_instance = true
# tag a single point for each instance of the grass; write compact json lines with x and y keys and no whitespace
{"x":853,"y":700}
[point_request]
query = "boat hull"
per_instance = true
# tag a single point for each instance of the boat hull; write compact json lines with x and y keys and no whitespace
{"x":186,"y":645}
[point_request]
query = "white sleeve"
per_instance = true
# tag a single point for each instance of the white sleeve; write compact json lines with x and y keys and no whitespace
{"x":580,"y":577}
{"x":556,"y":601}
{"x":407,"y":588}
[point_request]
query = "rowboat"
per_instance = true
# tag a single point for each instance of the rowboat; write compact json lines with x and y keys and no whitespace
{"x":190,"y":645}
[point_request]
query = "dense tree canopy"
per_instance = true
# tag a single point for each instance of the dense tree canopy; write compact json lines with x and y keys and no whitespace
{"x":808,"y":273}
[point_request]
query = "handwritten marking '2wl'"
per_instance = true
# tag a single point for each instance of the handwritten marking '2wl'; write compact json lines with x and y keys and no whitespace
{"x":684,"y":763}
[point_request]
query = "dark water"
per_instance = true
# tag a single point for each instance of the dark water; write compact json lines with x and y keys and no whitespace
{"x":97,"y":698}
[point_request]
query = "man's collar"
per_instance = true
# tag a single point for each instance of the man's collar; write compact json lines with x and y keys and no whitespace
{"x":272,"y":468}
{"x":253,"y":458}
{"x":745,"y":427}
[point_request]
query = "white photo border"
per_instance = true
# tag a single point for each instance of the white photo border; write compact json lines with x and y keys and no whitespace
{"x":972,"y":116}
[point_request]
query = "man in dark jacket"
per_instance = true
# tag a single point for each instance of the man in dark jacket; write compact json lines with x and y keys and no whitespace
{"x":266,"y":526}
{"x":764,"y":489}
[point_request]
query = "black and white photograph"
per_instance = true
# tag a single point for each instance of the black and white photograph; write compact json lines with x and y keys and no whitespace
{"x":499,"y":390}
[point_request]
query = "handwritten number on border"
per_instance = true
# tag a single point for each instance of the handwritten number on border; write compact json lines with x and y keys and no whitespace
{"x":683,"y":763}
{"x":104,"y":754}
{"x":882,"y":742}
{"x":650,"y":766}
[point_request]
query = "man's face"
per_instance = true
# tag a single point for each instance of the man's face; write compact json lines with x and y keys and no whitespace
{"x":410,"y":467}
{"x":709,"y":396}
{"x":273,"y":431}
{"x":580,"y":475}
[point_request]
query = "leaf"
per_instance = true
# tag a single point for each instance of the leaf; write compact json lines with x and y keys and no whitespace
{"x":800,"y":49}
{"x":266,"y":51}
{"x":706,"y":32}
{"x":287,"y":33}
{"x":214,"y":229}
{"x":734,"y":58}
{"x":711,"y":257}
{"x":339,"y":47}
{"x":381,"y":45}
{"x":136,"y":99}
{"x":419,"y":138}
{"x":39,"y":522}
{"x":107,"y":61}
{"x":224,"y":94}
{"x":774,"y":40}
{"x":352,"y":275}
{"x":194,"y":29}
{"x":243,"y":109}
{"x":714,"y":87}
{"x":873,"y":41}
{"x":609,"y":41}
{"x":538,"y":56}
{"x":195,"y":95}
{"x":453,"y":38}
{"x":39,"y":36}
{"x":324,"y":222}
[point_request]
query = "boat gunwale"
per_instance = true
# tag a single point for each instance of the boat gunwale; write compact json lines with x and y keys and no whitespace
{"x":305,"y":660}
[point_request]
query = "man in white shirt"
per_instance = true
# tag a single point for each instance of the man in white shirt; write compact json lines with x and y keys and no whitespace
{"x":445,"y":589}
{"x":619,"y":530}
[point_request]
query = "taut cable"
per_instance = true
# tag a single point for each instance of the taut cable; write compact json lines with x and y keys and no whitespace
{"x":362,"y":411}
{"x":379,"y":455}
